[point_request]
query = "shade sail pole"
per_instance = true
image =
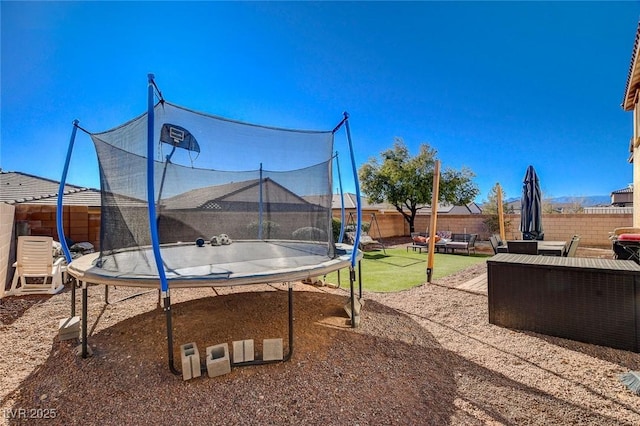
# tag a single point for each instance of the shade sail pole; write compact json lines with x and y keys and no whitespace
{"x":500,"y":213}
{"x":434,"y":220}
{"x":63,"y":181}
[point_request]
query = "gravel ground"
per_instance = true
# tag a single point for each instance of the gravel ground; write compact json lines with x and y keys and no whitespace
{"x":423,"y":356}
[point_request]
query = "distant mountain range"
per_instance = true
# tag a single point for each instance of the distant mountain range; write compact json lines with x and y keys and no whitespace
{"x":584,"y":201}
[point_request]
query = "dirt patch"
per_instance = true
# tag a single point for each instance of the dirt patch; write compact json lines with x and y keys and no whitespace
{"x":421,"y":356}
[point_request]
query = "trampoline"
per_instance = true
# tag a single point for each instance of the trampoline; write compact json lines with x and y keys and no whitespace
{"x":187,"y":265}
{"x":190,"y":199}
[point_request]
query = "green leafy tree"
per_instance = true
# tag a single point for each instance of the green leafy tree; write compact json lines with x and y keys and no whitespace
{"x":406,"y":182}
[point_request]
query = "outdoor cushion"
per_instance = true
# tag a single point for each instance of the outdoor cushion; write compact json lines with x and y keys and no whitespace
{"x":457,"y":244}
{"x":629,"y":237}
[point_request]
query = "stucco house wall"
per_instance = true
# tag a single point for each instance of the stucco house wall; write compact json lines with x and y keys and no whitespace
{"x":6,"y":232}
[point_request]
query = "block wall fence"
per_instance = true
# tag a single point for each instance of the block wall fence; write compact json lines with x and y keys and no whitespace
{"x":82,"y":223}
{"x":593,"y":229}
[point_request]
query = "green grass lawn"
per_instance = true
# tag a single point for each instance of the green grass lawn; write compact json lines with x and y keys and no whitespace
{"x":399,"y":270}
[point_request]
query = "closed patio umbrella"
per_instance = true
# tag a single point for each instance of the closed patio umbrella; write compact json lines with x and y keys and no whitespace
{"x":531,"y":204}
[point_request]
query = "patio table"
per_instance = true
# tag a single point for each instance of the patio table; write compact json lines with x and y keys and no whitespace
{"x":545,"y":248}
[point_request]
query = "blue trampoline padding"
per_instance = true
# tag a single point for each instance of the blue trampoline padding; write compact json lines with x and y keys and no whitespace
{"x":239,"y":263}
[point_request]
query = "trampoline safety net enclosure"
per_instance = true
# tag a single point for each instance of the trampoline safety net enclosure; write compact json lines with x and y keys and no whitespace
{"x":232,"y":202}
{"x":190,"y":199}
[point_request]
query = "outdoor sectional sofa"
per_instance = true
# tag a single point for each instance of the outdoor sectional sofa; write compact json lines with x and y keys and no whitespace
{"x":465,"y":242}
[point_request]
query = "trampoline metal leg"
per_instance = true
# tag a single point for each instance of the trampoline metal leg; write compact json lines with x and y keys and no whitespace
{"x":85,"y":298}
{"x":288,"y":357}
{"x":106,"y":294}
{"x":360,"y":278}
{"x":352,"y":278}
{"x":167,"y":311}
{"x":73,"y":297}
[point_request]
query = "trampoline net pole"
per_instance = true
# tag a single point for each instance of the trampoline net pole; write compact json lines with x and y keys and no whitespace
{"x":63,"y":180}
{"x":356,"y":182}
{"x":342,"y":208}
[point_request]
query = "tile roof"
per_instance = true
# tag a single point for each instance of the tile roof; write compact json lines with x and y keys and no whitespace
{"x":23,"y":188}
{"x":627,"y":190}
{"x":244,"y":191}
{"x":350,"y":203}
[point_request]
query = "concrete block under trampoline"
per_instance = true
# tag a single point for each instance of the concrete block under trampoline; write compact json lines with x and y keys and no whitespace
{"x":190,"y":360}
{"x":218,"y":361}
{"x":243,"y":350}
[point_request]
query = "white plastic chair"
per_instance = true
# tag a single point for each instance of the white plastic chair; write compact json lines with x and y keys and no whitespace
{"x":36,"y":272}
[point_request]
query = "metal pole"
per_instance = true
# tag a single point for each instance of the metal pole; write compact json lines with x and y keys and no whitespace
{"x":290,"y":323}
{"x":153,"y":224}
{"x":85,"y":298}
{"x":360,"y":277}
{"x":352,"y":278}
{"x":167,"y":311}
{"x":73,"y":297}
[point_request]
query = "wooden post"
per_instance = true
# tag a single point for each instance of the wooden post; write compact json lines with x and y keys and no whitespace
{"x":434,"y":219}
{"x":500,"y":213}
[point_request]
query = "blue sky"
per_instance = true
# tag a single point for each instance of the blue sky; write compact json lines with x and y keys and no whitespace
{"x":493,"y":86}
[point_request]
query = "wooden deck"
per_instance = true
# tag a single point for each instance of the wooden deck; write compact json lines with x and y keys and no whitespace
{"x":475,"y":285}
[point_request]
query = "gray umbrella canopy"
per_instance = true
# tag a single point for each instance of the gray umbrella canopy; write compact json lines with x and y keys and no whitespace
{"x":531,"y":204}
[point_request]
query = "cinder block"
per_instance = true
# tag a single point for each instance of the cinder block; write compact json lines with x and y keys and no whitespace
{"x":66,"y":324}
{"x":186,"y":366}
{"x":272,"y":350}
{"x":243,"y":351}
{"x":69,"y":335}
{"x":190,"y":359}
{"x":69,"y":328}
{"x":358,"y":304}
{"x":218,"y":362}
